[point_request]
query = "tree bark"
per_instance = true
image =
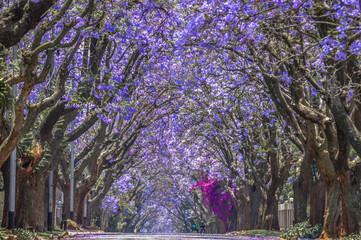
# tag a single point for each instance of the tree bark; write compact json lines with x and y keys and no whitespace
{"x":233,"y":220}
{"x":95,"y":202}
{"x":332,"y":212}
{"x":302,"y":186}
{"x":5,"y":168}
{"x":317,"y":202}
{"x":66,"y":204}
{"x":278,"y":177}
{"x":357,"y":180}
{"x":243,"y":210}
{"x":300,"y":200}
{"x":221,"y":227}
{"x":271,"y":214}
{"x":81,"y":194}
{"x":10,"y":142}
{"x":341,"y":219}
{"x":255,"y":205}
{"x":21,"y":17}
{"x":31,"y":204}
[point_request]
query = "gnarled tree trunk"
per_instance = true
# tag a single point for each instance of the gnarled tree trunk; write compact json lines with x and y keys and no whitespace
{"x":317,"y":202}
{"x":341,"y":219}
{"x":301,"y":188}
{"x":271,"y":214}
{"x":32,"y":202}
{"x":243,"y":211}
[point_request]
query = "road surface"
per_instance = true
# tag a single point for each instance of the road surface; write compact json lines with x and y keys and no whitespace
{"x":161,"y":236}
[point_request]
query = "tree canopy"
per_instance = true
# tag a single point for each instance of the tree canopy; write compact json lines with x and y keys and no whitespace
{"x":184,"y":112}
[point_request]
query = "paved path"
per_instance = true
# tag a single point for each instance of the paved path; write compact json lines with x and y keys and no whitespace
{"x":175,"y":236}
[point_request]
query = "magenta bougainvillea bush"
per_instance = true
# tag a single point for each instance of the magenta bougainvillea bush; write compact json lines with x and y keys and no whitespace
{"x":216,"y":196}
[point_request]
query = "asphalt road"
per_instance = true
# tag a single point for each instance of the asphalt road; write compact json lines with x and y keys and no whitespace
{"x":172,"y":236}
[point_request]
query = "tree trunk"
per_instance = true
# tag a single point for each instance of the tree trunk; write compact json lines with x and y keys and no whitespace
{"x":221,"y":227}
{"x":243,"y":212}
{"x":233,"y":220}
{"x":271,"y":213}
{"x":357,"y":180}
{"x":317,"y":202}
{"x":340,"y":218}
{"x":216,"y":227}
{"x":302,"y":187}
{"x":66,"y":204}
{"x":332,"y":226}
{"x":88,"y":215}
{"x":5,"y":168}
{"x":95,"y":202}
{"x":105,"y":219}
{"x":271,"y":220}
{"x":32,"y":202}
{"x":255,"y":204}
{"x":300,"y":199}
{"x":81,"y":194}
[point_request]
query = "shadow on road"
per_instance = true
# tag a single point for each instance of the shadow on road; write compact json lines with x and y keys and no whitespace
{"x":173,"y":236}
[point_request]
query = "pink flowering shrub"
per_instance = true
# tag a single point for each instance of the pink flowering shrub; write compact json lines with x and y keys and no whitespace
{"x":215,"y":196}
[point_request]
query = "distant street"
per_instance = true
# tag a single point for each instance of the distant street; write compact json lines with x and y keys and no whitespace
{"x":175,"y":236}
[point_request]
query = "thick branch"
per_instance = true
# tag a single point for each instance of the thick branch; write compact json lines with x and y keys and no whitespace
{"x":23,"y":16}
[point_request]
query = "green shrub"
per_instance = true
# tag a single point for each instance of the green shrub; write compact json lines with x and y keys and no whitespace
{"x":302,"y":230}
{"x":3,"y":235}
{"x":24,"y":234}
{"x":353,"y":236}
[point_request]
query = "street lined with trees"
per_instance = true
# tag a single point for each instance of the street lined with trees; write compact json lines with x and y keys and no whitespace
{"x":156,"y":116}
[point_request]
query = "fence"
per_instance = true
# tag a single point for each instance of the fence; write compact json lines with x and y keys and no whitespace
{"x":285,"y":215}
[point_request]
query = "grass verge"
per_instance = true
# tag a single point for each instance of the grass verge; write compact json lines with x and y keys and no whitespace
{"x":55,"y":233}
{"x":260,"y":233}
